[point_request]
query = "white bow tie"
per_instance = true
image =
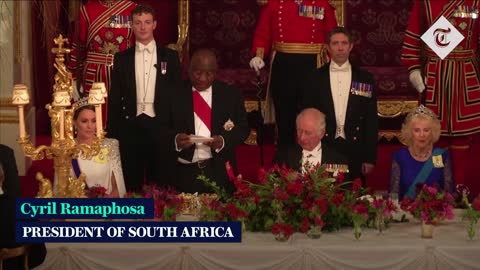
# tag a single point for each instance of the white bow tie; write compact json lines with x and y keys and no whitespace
{"x":141,"y":48}
{"x":344,"y":68}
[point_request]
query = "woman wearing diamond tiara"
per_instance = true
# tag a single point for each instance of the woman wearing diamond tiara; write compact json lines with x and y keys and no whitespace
{"x":104,"y":169}
{"x":420,"y":162}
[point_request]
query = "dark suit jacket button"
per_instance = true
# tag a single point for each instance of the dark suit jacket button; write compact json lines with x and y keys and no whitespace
{"x":354,"y":138}
{"x":126,"y":117}
{"x":121,"y":98}
{"x":358,"y":128}
{"x":124,"y":109}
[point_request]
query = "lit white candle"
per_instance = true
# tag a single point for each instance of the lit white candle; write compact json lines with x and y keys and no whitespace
{"x":62,"y":123}
{"x":21,"y":122}
{"x":98,"y":119}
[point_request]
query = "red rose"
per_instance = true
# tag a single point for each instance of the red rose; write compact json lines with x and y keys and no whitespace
{"x":338,"y":199}
{"x":305,"y":225}
{"x":295,"y":187}
{"x":357,"y":184}
{"x":322,"y":205}
{"x":280,"y":194}
{"x":340,"y":178}
{"x":276,"y":228}
{"x":262,"y":176}
{"x":476,"y":203}
{"x":318,"y":222}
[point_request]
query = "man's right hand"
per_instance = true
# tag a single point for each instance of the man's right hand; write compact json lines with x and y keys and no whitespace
{"x":417,"y":80}
{"x":183,"y":141}
{"x":257,"y":63}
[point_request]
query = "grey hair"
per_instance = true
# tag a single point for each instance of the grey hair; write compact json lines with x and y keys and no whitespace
{"x":317,"y":115}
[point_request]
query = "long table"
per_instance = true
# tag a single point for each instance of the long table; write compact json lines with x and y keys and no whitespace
{"x":399,"y":247}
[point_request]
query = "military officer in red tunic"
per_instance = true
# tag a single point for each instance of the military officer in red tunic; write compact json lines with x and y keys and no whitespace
{"x":295,"y":33}
{"x":452,"y":84}
{"x":104,"y":29}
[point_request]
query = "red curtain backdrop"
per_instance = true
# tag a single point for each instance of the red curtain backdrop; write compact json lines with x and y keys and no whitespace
{"x":227,"y":27}
{"x":49,"y":18}
{"x":167,"y":18}
{"x":378,"y":29}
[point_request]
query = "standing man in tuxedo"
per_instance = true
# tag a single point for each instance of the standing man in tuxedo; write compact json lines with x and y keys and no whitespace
{"x":142,"y":77}
{"x":309,"y":150}
{"x":347,"y":96}
{"x":207,"y":108}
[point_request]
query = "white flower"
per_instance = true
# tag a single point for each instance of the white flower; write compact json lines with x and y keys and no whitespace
{"x":367,"y":197}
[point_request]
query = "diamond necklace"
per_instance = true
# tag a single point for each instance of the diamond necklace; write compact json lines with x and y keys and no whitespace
{"x":419,"y":155}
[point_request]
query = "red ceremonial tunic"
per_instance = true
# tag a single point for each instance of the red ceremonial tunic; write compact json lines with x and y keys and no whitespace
{"x":100,"y":37}
{"x":280,"y":22}
{"x":452,"y":84}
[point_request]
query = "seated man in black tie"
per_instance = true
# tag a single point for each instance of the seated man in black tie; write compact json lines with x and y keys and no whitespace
{"x":309,"y":151}
{"x":209,"y":120}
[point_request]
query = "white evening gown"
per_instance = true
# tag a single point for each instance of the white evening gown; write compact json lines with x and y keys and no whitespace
{"x":100,"y":168}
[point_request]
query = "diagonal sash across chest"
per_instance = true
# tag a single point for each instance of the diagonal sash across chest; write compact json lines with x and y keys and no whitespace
{"x":104,"y":18}
{"x":202,"y":109}
{"x":423,"y":174}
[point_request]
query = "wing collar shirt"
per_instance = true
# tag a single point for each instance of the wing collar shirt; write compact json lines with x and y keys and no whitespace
{"x":340,"y":83}
{"x":145,"y":77}
{"x":311,"y":158}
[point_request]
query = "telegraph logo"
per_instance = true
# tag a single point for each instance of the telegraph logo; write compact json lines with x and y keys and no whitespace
{"x":442,"y":37}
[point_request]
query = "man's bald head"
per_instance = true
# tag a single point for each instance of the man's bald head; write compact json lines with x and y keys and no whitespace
{"x":203,"y":69}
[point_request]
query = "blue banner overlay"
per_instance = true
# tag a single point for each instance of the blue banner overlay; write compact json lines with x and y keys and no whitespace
{"x":105,"y":208}
{"x":220,"y":232}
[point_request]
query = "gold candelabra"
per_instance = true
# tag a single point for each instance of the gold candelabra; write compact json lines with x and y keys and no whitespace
{"x":63,"y":147}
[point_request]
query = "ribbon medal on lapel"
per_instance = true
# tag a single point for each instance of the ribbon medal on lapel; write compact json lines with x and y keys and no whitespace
{"x":362,"y":89}
{"x":437,"y":161}
{"x":228,"y":125}
{"x":102,"y":156}
{"x":163,"y":67}
{"x":313,"y":12}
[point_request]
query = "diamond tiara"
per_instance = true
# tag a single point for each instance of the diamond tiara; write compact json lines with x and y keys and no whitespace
{"x":423,"y":111}
{"x":82,"y":102}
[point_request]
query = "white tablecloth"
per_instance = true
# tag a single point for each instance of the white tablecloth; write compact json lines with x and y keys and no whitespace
{"x":399,"y":247}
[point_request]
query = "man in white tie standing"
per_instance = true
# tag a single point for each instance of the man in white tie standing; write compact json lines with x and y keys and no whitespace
{"x":346,"y":94}
{"x":141,"y":80}
{"x":209,"y":120}
{"x":309,"y":150}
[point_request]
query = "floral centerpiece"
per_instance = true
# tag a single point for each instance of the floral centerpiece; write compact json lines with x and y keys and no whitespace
{"x":382,"y":209}
{"x":167,"y":202}
{"x":359,"y":216}
{"x":430,"y":205}
{"x":285,"y":201}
